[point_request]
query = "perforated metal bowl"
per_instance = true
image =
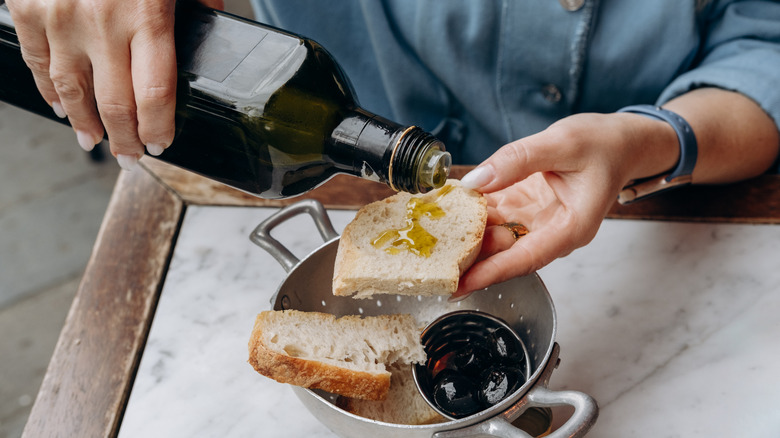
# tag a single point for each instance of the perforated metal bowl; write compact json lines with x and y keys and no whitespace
{"x":522,"y":302}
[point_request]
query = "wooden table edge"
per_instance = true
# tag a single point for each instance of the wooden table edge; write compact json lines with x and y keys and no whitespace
{"x":89,"y":377}
{"x":88,"y":381}
{"x":752,"y":201}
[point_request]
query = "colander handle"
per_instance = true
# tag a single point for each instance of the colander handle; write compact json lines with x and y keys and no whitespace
{"x":585,"y":413}
{"x":261,"y":235}
{"x":586,"y":409}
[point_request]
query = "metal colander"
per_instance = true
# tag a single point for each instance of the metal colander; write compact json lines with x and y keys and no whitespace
{"x":522,"y":302}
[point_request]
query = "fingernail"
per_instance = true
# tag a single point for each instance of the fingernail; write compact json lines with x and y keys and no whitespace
{"x":455,"y":299}
{"x":127,"y":162}
{"x":478,"y":177}
{"x":58,"y":110}
{"x":86,"y":141}
{"x":155,"y":149}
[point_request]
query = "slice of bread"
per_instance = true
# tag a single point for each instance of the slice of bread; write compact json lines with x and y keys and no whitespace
{"x":346,"y":356}
{"x":404,"y":404}
{"x":367,"y":264}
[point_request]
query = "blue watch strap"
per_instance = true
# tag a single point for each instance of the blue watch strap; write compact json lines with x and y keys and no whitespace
{"x":688,"y":147}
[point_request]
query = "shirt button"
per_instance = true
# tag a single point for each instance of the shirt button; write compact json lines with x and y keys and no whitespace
{"x":572,"y":5}
{"x":552,"y":93}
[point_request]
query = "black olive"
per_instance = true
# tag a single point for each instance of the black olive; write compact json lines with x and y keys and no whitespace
{"x":453,"y":393}
{"x":497,"y":383}
{"x":504,"y":346}
{"x":471,"y":360}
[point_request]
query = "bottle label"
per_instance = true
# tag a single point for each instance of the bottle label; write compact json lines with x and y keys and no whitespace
{"x":233,"y":57}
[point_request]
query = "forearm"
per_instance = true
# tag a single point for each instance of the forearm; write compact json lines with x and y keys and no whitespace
{"x":736,"y":138}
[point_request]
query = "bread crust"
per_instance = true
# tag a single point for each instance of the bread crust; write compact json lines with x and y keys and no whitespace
{"x":314,"y":374}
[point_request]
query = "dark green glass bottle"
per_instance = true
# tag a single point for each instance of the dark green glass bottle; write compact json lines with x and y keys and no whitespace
{"x":263,"y":110}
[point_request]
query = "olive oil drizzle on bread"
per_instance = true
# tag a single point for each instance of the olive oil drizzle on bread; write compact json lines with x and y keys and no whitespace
{"x":413,"y":237}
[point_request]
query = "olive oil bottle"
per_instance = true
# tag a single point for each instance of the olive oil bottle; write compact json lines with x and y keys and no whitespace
{"x":264,"y":111}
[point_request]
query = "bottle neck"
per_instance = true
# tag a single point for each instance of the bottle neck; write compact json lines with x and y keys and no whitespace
{"x":404,"y":157}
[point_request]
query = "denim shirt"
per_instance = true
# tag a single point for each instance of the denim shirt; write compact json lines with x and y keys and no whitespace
{"x":480,"y":74}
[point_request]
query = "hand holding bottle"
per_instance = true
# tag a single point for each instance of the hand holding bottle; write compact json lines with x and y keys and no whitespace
{"x":108,"y":65}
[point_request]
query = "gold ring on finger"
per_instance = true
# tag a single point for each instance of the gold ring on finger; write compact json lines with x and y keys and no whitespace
{"x":518,"y":230}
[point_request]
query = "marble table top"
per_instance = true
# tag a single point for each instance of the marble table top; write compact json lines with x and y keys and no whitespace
{"x":674,"y":328}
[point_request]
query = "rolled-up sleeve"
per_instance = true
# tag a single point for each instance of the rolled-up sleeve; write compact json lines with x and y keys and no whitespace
{"x":740,"y":52}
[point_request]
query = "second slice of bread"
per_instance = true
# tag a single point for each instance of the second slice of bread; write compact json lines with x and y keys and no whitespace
{"x":346,"y":356}
{"x":363,"y":269}
{"x":404,"y":404}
